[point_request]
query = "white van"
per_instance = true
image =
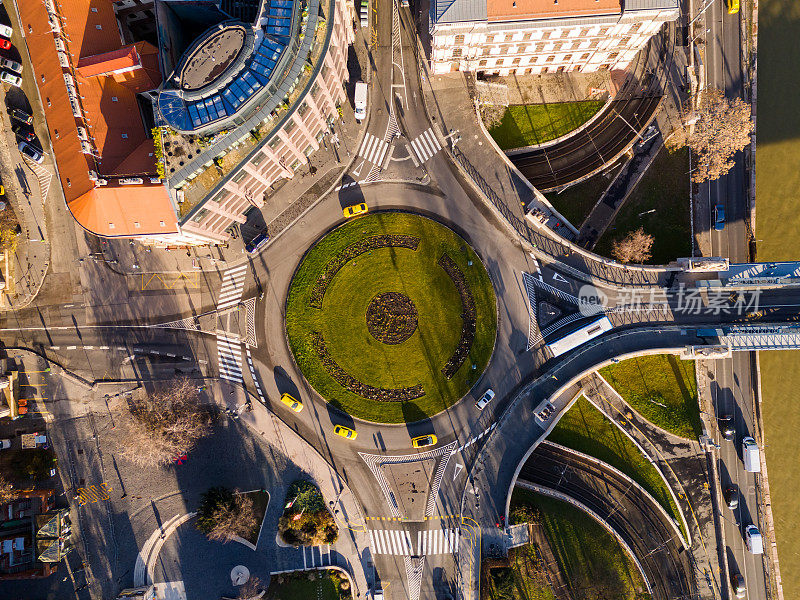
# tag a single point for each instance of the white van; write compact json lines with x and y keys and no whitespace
{"x":750,"y":456}
{"x":361,"y":101}
{"x":755,"y":543}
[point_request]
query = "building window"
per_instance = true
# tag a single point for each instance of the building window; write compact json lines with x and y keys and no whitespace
{"x":482,"y":63}
{"x":201,"y":214}
{"x":124,"y":136}
{"x":567,"y":57}
{"x":457,"y":52}
{"x":585,"y":55}
{"x":550,"y":58}
{"x":516,"y":61}
{"x":114,"y":99}
{"x":98,"y":26}
{"x":460,"y":39}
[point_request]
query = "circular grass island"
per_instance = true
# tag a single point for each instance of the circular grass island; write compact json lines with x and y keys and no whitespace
{"x":391,"y":317}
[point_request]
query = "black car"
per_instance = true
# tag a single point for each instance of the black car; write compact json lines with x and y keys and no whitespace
{"x":257,"y":242}
{"x":731,"y":497}
{"x":726,"y":427}
{"x":23,"y":132}
{"x":20,"y":115}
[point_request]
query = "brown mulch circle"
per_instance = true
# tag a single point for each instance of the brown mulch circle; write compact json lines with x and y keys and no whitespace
{"x":391,"y":318}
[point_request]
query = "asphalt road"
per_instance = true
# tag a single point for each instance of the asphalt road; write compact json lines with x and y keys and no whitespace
{"x":733,"y":387}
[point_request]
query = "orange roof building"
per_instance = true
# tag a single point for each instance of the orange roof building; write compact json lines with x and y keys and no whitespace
{"x":522,"y":37}
{"x":88,"y":81}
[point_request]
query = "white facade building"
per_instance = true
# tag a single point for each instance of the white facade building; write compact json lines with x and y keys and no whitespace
{"x":501,"y":37}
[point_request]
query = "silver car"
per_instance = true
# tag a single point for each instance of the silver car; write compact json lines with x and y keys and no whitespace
{"x":485,"y":399}
{"x":11,"y":65}
{"x":30,"y":152}
{"x":12,"y":78}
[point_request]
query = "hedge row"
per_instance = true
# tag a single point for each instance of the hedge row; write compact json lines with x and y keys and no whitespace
{"x":389,"y":240}
{"x":352,"y":384}
{"x":468,"y":317}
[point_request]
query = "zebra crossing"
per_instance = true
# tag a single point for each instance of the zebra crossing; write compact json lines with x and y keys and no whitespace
{"x":229,"y":357}
{"x":373,"y":149}
{"x":232,"y":287}
{"x":425,"y":145}
{"x":43,"y":175}
{"x":429,"y":541}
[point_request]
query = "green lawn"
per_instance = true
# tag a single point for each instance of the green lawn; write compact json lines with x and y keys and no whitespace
{"x":342,"y":319}
{"x":576,"y":202}
{"x":778,"y":232}
{"x":531,"y":124}
{"x":586,"y":429}
{"x":662,"y":388}
{"x":593,"y":562}
{"x":298,"y":586}
{"x":664,"y":189}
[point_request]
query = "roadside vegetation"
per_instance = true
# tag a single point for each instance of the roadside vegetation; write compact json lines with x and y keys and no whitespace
{"x":306,"y":520}
{"x":660,"y":207}
{"x":591,"y":560}
{"x":326,"y":584}
{"x":662,"y":388}
{"x":586,"y":429}
{"x":576,"y":202}
{"x":531,"y":124}
{"x":159,"y":427}
{"x":224,"y":515}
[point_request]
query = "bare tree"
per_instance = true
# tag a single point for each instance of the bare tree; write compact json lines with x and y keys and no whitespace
{"x":159,"y":427}
{"x":7,"y":492}
{"x":251,"y":590}
{"x":634,"y":247}
{"x":722,"y":128}
{"x":234,"y":517}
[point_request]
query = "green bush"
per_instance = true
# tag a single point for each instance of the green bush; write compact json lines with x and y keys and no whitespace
{"x":307,"y":522}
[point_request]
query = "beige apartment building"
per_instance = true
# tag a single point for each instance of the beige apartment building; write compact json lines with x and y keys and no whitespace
{"x":501,"y":37}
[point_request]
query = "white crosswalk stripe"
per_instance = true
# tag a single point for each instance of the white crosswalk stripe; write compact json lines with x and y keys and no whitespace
{"x":232,"y":287}
{"x":390,"y":541}
{"x":425,"y":145}
{"x":229,"y":357}
{"x":373,"y":149}
{"x":438,"y":541}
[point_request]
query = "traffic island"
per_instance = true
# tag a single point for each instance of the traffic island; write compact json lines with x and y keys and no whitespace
{"x":306,"y":520}
{"x":391,"y":317}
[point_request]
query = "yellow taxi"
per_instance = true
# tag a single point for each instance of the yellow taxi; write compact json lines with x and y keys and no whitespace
{"x":345,"y":432}
{"x":733,"y":6}
{"x":424,"y":441}
{"x":292,"y":402}
{"x":355,"y":210}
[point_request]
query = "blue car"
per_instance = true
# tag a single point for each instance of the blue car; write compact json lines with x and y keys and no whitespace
{"x":257,"y":242}
{"x":719,"y":217}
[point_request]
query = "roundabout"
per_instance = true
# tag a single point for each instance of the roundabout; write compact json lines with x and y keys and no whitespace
{"x":391,"y":317}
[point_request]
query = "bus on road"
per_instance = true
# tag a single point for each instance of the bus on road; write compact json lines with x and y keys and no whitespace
{"x":580,"y":336}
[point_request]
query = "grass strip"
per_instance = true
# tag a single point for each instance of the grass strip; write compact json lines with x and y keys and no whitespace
{"x":662,"y":388}
{"x":531,"y":124}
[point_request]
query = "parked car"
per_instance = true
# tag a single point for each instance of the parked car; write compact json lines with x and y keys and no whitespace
{"x":5,"y":444}
{"x":257,"y":242}
{"x":719,"y":217}
{"x":424,"y":440}
{"x":731,"y":497}
{"x":5,"y":44}
{"x":11,"y":65}
{"x":11,"y":78}
{"x":28,"y":150}
{"x":292,"y":402}
{"x":737,"y":583}
{"x":21,"y":116}
{"x":345,"y":432}
{"x":726,"y":427}
{"x":487,"y":397}
{"x":23,"y":132}
{"x":356,"y":209}
{"x":6,"y":30}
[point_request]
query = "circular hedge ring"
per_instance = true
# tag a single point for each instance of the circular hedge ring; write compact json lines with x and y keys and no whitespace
{"x":391,"y":317}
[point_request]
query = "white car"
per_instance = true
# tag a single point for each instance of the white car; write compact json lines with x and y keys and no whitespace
{"x":485,"y":399}
{"x":11,"y":65}
{"x":11,"y":78}
{"x":6,"y":30}
{"x":5,"y":444}
{"x":30,"y":152}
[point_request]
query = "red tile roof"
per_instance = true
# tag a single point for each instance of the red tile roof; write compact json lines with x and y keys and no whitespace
{"x":519,"y":10}
{"x":113,"y":116}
